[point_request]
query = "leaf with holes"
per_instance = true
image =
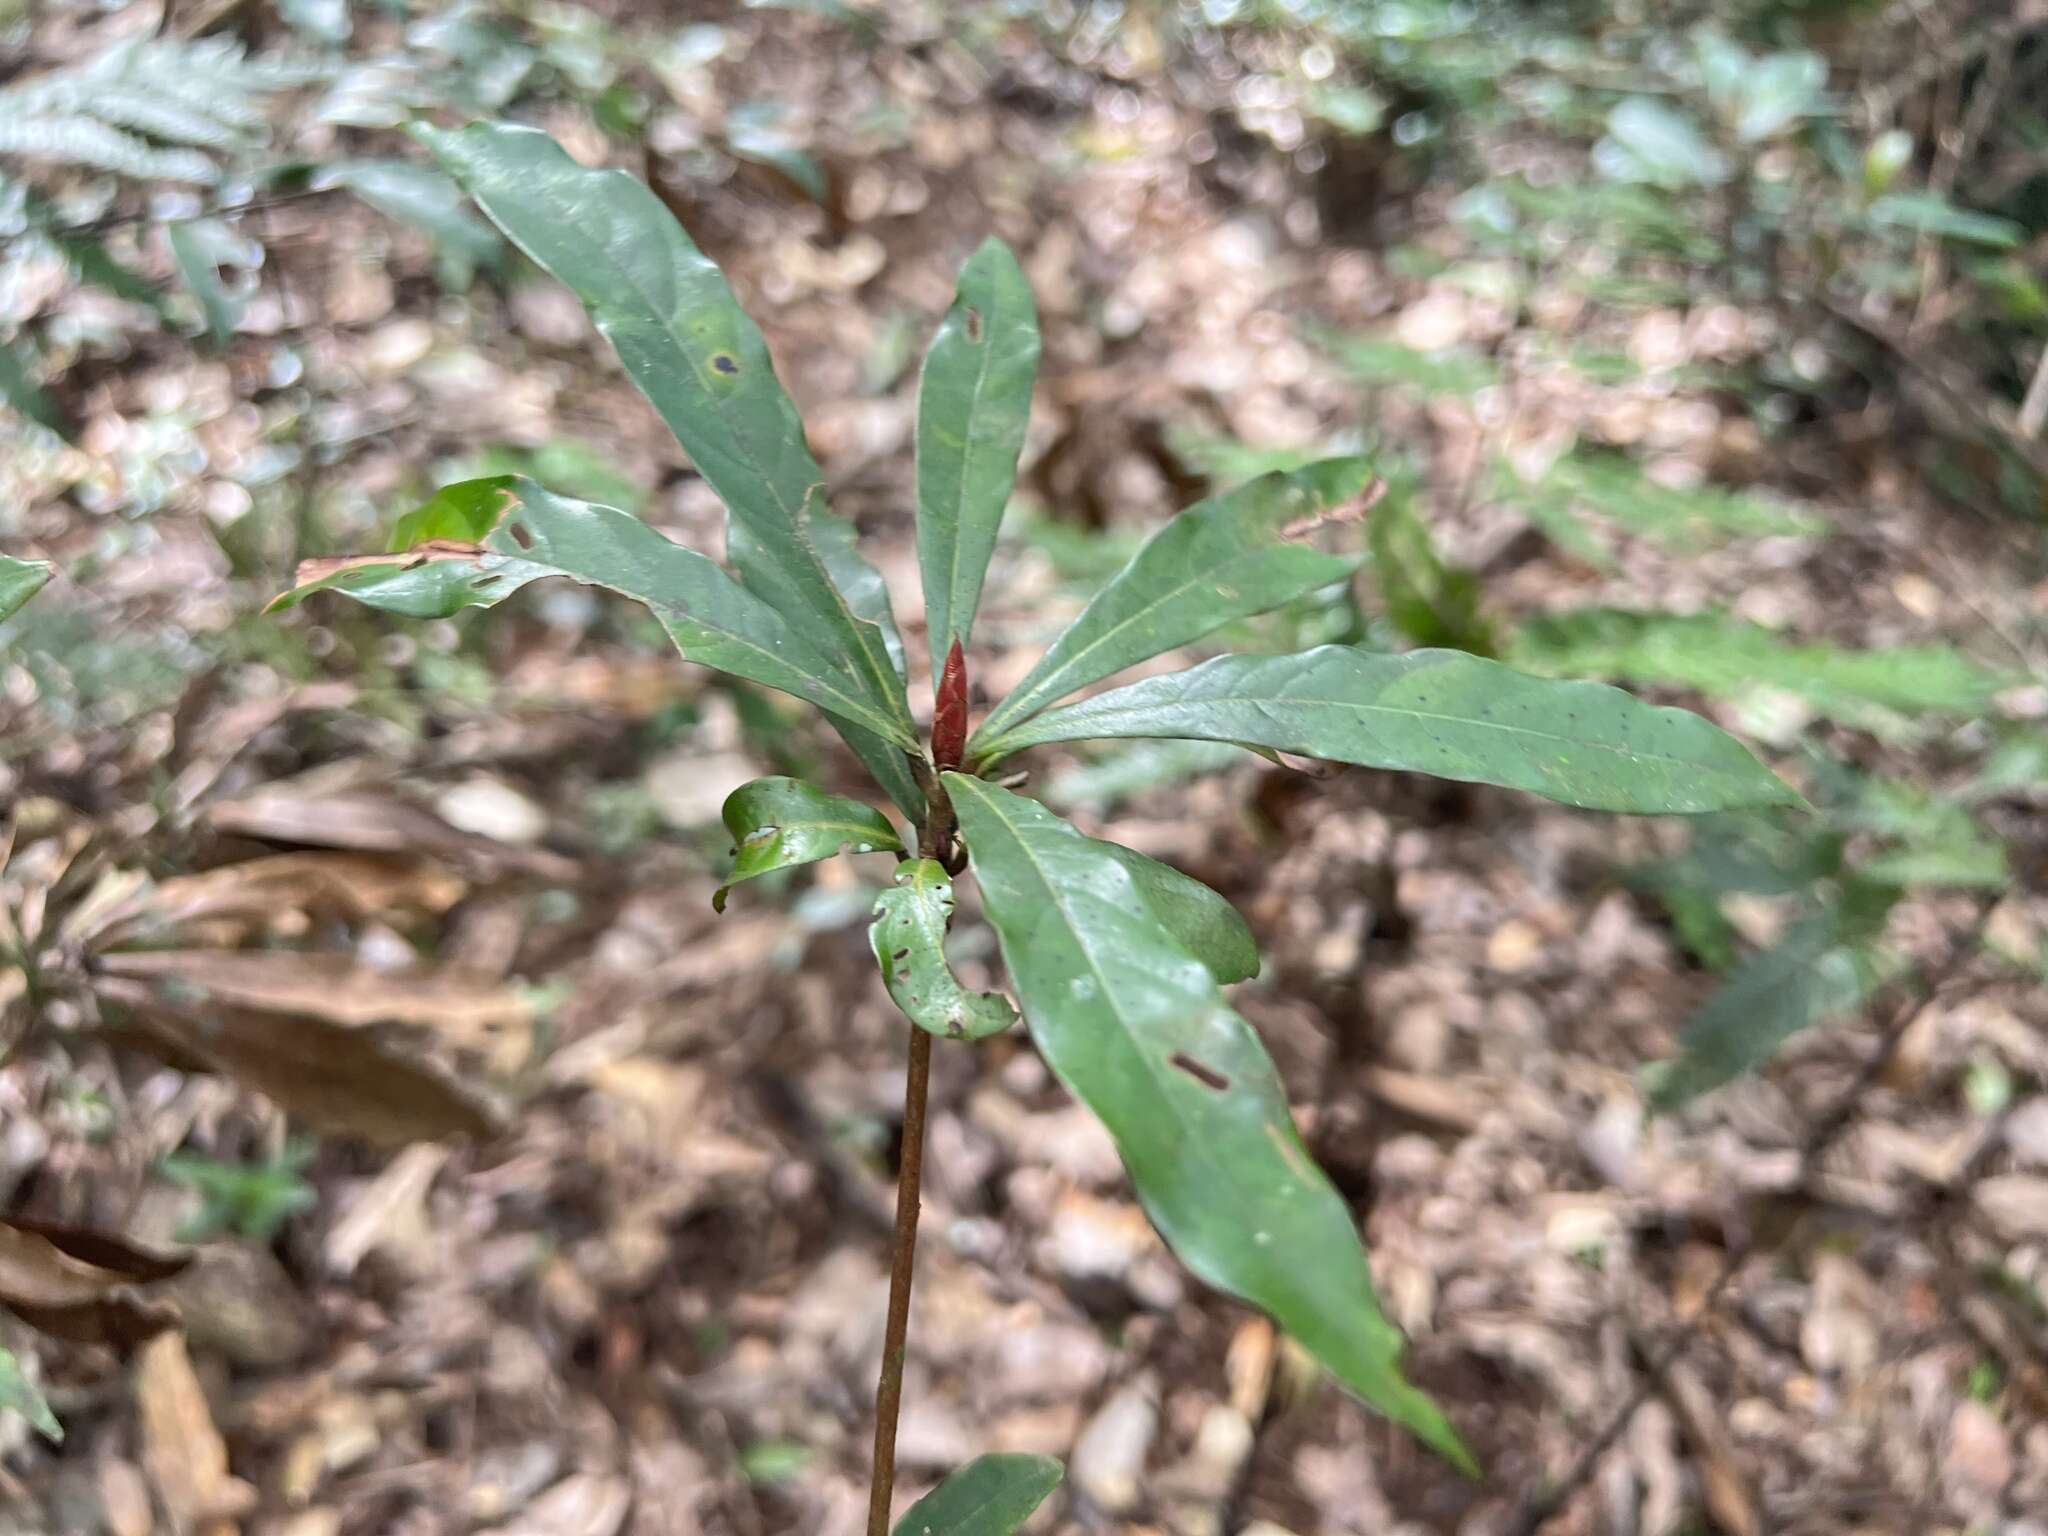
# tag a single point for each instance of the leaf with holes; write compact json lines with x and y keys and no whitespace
{"x":1136,"y":1027}
{"x":973,"y":405}
{"x":1230,"y":557}
{"x":20,"y":580}
{"x":990,"y":1496}
{"x":1438,"y":712}
{"x":685,"y":341}
{"x":909,"y":936}
{"x":479,"y":541}
{"x":777,"y":823}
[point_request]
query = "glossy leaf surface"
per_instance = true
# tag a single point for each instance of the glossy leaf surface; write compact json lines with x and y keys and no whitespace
{"x":973,"y":405}
{"x":1136,"y":1027}
{"x":685,"y":341}
{"x":1226,"y":558}
{"x":1202,"y":922}
{"x":479,"y":541}
{"x":780,"y":822}
{"x":1438,"y":712}
{"x":909,"y":936}
{"x":991,"y":1496}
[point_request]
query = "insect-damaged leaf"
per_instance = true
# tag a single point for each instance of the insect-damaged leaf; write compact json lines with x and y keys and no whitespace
{"x":1137,"y":1028}
{"x":990,"y":1496}
{"x":81,"y":1285}
{"x":684,"y":340}
{"x":1227,"y":558}
{"x":20,"y":580}
{"x":1440,"y":712}
{"x":779,"y":822}
{"x":479,"y":541}
{"x":909,"y":936}
{"x":973,"y":405}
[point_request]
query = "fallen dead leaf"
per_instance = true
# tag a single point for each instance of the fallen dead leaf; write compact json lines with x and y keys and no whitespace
{"x":182,"y":1451}
{"x":331,"y":987}
{"x":335,"y":1078}
{"x":81,"y":1285}
{"x":389,"y":1215}
{"x":372,"y":823}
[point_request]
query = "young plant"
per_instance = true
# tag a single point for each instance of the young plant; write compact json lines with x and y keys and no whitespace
{"x":1118,"y":963}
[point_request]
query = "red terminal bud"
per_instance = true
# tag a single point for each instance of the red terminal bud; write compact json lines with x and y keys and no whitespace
{"x":949,"y":714}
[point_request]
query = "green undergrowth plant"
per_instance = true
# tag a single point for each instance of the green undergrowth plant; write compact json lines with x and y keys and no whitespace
{"x":1118,"y":964}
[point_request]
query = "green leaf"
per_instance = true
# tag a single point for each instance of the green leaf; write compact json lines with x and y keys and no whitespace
{"x":1615,"y":487}
{"x":20,"y":1395}
{"x":779,"y":822}
{"x":1932,"y":215}
{"x":1226,"y":558}
{"x":1777,"y":92}
{"x":1439,"y":712}
{"x":1731,"y":657}
{"x":198,"y":246}
{"x":479,"y":541}
{"x":693,"y":352}
{"x":1455,"y":372}
{"x":1820,"y":968}
{"x":1136,"y":1027}
{"x":1889,"y":153}
{"x":973,"y":404}
{"x":1649,"y":141}
{"x":1202,"y":922}
{"x":425,"y":199}
{"x":1429,"y":602}
{"x":18,"y":387}
{"x":20,"y":580}
{"x":909,"y":936}
{"x":754,"y":132}
{"x":990,"y":1496}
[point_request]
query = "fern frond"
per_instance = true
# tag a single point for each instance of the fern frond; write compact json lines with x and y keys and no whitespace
{"x":83,"y":141}
{"x":150,"y":108}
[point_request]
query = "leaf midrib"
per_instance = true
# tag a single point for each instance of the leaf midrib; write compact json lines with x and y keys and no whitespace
{"x":575,"y":234}
{"x":1385,"y":709}
{"x":1033,"y":696}
{"x":959,"y":498}
{"x":1202,"y":1152}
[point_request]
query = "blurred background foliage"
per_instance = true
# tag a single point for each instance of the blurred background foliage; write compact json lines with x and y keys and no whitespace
{"x":1674,"y":329}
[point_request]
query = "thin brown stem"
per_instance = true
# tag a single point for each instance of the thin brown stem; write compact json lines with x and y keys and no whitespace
{"x":909,"y":1176}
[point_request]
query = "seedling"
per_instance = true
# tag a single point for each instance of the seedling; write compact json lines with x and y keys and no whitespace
{"x":1117,"y":962}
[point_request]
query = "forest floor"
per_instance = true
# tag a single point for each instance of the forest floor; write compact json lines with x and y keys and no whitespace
{"x":654,"y":1304}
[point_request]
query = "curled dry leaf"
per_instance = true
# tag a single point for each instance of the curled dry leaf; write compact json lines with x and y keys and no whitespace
{"x":331,"y":987}
{"x":373,"y":823}
{"x":263,"y":891}
{"x":82,"y":1285}
{"x":338,"y":1079}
